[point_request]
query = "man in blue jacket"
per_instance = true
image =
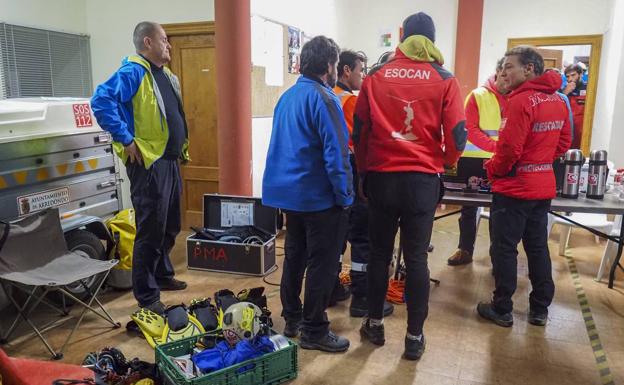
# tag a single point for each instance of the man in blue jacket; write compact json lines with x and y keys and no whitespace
{"x":141,"y":106}
{"x":309,"y":177}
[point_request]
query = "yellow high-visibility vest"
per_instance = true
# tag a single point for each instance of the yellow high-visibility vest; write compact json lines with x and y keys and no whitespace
{"x":489,"y":120}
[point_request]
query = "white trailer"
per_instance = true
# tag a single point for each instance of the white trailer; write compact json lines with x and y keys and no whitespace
{"x":54,"y":154}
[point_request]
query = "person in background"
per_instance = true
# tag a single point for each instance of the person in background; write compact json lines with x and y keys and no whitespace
{"x":350,"y":78}
{"x":535,"y":130}
{"x":576,"y":91}
{"x":483,"y":119}
{"x":309,"y":177}
{"x":409,"y":123}
{"x":141,"y":106}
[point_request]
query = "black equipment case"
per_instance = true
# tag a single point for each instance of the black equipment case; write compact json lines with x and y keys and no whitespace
{"x":223,"y":213}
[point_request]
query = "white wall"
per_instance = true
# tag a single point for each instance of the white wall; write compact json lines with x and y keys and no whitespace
{"x":503,"y":19}
{"x":260,"y":138}
{"x":111,"y":23}
{"x":361,"y":21}
{"x":607,"y":132}
{"x":313,"y":17}
{"x":576,"y":17}
{"x":57,"y":15}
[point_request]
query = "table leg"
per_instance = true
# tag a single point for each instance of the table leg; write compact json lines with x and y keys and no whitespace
{"x":618,"y":255}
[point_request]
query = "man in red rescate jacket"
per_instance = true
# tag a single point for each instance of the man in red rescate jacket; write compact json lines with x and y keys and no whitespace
{"x":535,"y":130}
{"x":409,"y":123}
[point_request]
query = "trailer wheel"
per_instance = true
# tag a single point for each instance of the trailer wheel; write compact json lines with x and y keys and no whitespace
{"x":88,"y":245}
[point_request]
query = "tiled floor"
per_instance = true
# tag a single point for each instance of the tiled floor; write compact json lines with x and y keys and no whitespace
{"x":462,"y":349}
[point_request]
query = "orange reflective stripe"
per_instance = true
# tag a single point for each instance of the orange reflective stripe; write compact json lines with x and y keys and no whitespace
{"x":20,"y":176}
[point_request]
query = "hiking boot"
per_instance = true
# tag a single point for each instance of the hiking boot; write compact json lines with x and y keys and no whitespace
{"x":414,"y":348}
{"x":538,"y":318}
{"x":486,"y":310}
{"x":460,"y":257}
{"x":329,"y":343}
{"x":172,"y":285}
{"x":339,"y":294}
{"x":291,"y":330}
{"x":359,"y":307}
{"x":157,"y":307}
{"x":375,"y":334}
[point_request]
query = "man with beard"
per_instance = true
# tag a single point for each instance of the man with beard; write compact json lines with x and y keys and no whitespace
{"x":350,"y":78}
{"x":308,"y":176}
{"x":576,"y":91}
{"x":535,"y":130}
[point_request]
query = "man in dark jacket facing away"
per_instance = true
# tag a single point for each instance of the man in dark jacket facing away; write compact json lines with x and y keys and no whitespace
{"x":308,"y":175}
{"x":535,"y":130}
{"x":409,"y":124}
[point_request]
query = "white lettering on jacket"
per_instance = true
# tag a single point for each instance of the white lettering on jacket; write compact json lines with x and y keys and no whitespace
{"x":553,"y":125}
{"x":539,"y":167}
{"x":409,"y":73}
{"x":541,"y":98}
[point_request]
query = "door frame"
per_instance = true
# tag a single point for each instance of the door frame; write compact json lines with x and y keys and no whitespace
{"x":188,"y":29}
{"x":595,"y":41}
{"x":195,"y":28}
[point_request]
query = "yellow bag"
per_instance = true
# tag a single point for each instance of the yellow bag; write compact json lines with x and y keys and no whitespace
{"x":123,"y":229}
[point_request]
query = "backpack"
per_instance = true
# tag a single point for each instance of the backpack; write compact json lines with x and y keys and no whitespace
{"x":123,"y":229}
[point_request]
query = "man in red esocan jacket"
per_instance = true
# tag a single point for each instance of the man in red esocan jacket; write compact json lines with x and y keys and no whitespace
{"x":535,"y":130}
{"x":409,"y":123}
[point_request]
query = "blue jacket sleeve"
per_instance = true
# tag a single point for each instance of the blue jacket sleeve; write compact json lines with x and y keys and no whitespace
{"x":335,"y":138}
{"x":108,"y":98}
{"x":570,"y":116}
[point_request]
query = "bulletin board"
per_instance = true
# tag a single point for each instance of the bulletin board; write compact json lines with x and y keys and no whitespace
{"x":269,"y":78}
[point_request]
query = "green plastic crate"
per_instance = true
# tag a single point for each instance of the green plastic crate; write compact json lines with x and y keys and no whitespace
{"x":270,"y":369}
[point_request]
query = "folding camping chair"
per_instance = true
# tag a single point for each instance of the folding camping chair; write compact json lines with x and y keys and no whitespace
{"x":34,"y":259}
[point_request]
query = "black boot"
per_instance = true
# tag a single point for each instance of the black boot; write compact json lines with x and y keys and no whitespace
{"x":291,"y":330}
{"x":486,"y":310}
{"x":538,"y":318}
{"x":328,"y":343}
{"x":375,"y":334}
{"x":414,"y":348}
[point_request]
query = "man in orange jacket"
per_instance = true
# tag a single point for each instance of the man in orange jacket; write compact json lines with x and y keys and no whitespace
{"x":350,"y":77}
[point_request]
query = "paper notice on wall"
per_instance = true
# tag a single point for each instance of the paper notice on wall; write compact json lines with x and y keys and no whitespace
{"x":385,"y":37}
{"x":267,"y":49}
{"x":237,"y":214}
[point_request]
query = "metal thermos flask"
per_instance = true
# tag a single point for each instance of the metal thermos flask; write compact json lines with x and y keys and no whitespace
{"x":597,"y":174}
{"x":572,"y":174}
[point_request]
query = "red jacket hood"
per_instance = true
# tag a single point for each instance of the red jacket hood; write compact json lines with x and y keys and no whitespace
{"x":490,"y":84}
{"x":548,"y":83}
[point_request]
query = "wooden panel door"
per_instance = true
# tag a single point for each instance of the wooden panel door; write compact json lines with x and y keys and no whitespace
{"x":193,"y":60}
{"x":553,"y":58}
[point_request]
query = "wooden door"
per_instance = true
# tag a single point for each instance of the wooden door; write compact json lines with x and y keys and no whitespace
{"x":553,"y":58}
{"x":193,"y":60}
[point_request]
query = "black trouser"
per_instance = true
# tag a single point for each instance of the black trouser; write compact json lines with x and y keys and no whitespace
{"x":155,"y":196}
{"x":512,"y":220}
{"x":313,"y":244}
{"x":407,"y":199}
{"x":357,"y":236}
{"x":467,"y":228}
